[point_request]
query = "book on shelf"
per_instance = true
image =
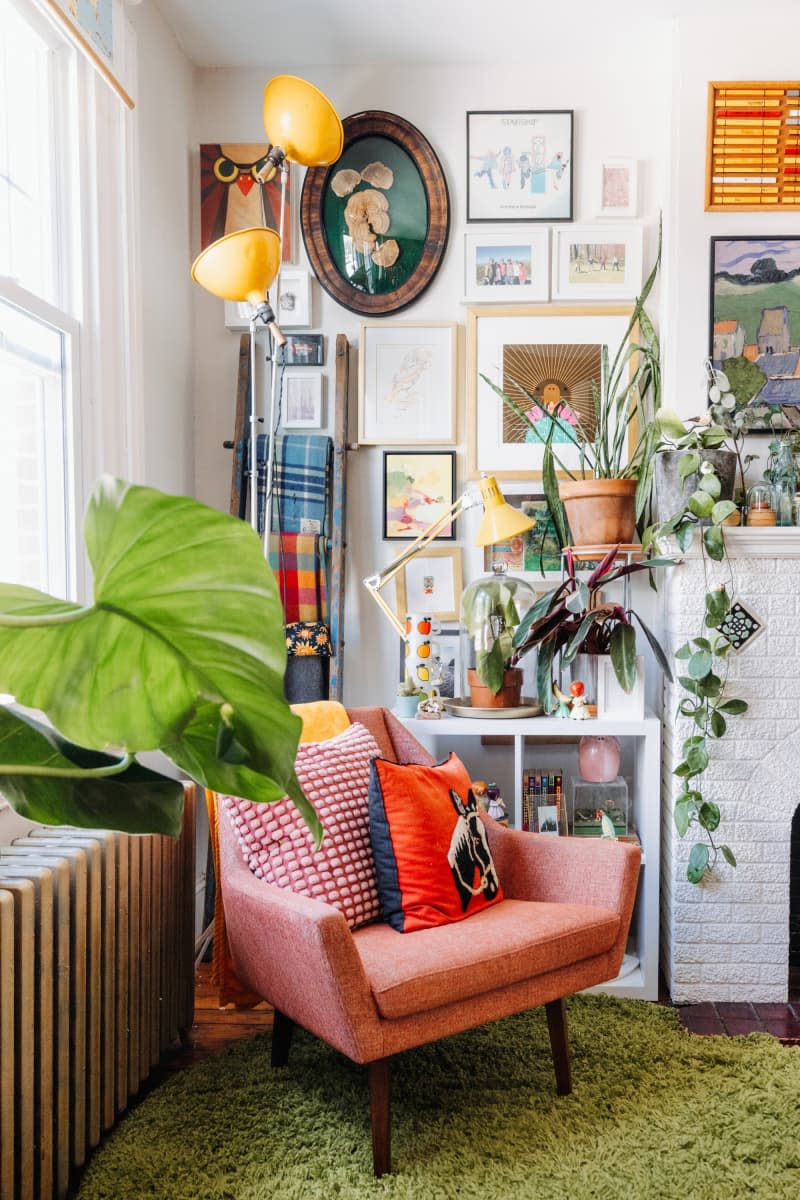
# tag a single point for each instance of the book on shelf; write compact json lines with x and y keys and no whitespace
{"x":543,"y":809}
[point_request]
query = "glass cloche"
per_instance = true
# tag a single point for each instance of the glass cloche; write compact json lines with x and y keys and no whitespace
{"x":491,"y":609}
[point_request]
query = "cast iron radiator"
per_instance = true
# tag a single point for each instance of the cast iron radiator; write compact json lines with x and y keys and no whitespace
{"x":96,"y":980}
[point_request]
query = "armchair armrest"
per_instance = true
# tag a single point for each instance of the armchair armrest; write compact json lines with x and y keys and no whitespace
{"x":533,"y":866}
{"x":298,"y":953}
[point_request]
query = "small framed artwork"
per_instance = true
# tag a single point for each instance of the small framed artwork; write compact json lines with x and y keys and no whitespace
{"x":303,"y":350}
{"x":302,"y":401}
{"x":536,"y":549}
{"x":294,"y":299}
{"x":407,"y":375}
{"x":597,"y":262}
{"x":751,"y":146}
{"x":519,"y":166}
{"x":431,"y":582}
{"x":547,"y":359}
{"x":618,"y":185}
{"x":418,"y":488}
{"x":505,"y":267}
{"x":755,"y":312}
{"x":233,"y":197}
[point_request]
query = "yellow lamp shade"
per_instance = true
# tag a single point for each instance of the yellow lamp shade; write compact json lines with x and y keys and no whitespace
{"x":240,"y":266}
{"x":500,"y":521}
{"x":302,"y":121}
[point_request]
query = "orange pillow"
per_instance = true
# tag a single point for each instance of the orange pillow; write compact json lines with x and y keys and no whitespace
{"x":431,"y":854}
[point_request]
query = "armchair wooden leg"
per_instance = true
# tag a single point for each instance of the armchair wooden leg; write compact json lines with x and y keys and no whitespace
{"x":282,"y":1030}
{"x":559,"y":1044}
{"x":380,"y":1114}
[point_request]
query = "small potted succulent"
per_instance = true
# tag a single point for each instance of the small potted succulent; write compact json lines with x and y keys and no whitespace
{"x":409,"y":695}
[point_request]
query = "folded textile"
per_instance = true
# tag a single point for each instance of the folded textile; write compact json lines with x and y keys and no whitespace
{"x":300,"y":484}
{"x":298,"y":561}
{"x":306,"y":638}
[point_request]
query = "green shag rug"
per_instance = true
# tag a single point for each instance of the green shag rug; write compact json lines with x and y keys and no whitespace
{"x":655,"y":1114}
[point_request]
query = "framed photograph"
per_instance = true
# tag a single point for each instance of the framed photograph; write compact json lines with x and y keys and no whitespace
{"x":446,"y":664}
{"x":375,"y":224}
{"x":597,"y":262}
{"x":294,"y":299}
{"x":302,"y":403}
{"x":407,"y":383}
{"x":618,"y":185}
{"x":550,"y":352}
{"x":536,"y":549}
{"x":302,"y":349}
{"x":431,"y":582}
{"x":232,"y":197}
{"x":519,"y":166}
{"x":501,"y":268}
{"x":418,"y":488}
{"x":755,"y":312}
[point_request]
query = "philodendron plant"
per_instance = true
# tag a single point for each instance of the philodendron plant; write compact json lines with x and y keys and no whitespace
{"x":182,"y":651}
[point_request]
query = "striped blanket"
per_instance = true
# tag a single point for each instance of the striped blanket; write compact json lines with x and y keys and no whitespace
{"x":299,"y":565}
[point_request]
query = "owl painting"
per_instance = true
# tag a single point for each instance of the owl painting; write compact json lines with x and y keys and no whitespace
{"x":232,"y":197}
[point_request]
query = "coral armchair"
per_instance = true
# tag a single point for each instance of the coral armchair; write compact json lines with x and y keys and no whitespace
{"x":372,"y":992}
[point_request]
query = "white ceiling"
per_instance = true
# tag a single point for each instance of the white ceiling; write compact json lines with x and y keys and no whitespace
{"x":293,"y":33}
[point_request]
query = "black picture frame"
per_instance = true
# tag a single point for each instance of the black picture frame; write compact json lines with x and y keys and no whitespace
{"x":302,"y":350}
{"x":408,"y":193}
{"x":774,"y":345}
{"x":424,"y":491}
{"x":529,"y":175}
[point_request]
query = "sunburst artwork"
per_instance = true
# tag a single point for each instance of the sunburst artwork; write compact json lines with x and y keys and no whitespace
{"x":554,"y":386}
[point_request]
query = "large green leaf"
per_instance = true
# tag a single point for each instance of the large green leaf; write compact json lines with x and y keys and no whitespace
{"x":623,"y":655}
{"x":77,"y":781}
{"x":186,"y":619}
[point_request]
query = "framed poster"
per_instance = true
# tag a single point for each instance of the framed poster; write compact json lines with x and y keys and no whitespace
{"x":519,"y":166}
{"x":418,"y":488}
{"x":752,"y":142}
{"x":501,"y":268}
{"x":536,"y":549}
{"x":302,"y":401}
{"x":407,"y":383}
{"x":375,"y":224}
{"x":232,"y":196}
{"x":597,"y":262}
{"x":618,"y":186}
{"x":755,"y":312}
{"x":431,"y":582}
{"x":551,"y":353}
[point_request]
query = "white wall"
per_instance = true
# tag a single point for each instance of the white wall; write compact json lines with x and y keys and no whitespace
{"x":164,"y":106}
{"x":602,"y":81}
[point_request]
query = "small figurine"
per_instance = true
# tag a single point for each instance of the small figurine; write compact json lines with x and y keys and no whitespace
{"x":479,"y":790}
{"x":497,"y":808}
{"x":579,"y":710}
{"x":564,"y":702}
{"x":607,"y":827}
{"x":430,"y":709}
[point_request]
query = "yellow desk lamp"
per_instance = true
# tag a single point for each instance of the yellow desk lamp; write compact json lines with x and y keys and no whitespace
{"x":499,"y":522}
{"x":303,"y":127}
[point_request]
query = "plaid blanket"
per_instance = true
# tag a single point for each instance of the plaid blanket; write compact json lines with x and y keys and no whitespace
{"x":298,"y":561}
{"x":300,"y":482}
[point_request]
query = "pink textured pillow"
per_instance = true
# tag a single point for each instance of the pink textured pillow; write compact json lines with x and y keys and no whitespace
{"x":279,"y":849}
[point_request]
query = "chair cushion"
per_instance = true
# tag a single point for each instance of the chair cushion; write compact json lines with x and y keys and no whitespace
{"x":278,"y":847}
{"x":431,"y":854}
{"x":504,"y":944}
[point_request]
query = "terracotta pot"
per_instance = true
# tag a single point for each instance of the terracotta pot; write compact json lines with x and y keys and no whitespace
{"x":509,"y":696}
{"x":600,"y":511}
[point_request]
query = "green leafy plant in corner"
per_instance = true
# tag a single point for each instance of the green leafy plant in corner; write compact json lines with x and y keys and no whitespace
{"x":181,"y":651}
{"x":490,"y":615}
{"x":703,"y":659}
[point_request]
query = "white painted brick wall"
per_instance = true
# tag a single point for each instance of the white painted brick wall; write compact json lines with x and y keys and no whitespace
{"x":728,"y":938}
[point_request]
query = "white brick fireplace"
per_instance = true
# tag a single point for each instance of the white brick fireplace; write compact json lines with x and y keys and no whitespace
{"x":728,"y":939}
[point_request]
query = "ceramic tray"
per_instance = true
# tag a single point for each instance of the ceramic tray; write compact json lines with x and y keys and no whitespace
{"x":462,"y":707}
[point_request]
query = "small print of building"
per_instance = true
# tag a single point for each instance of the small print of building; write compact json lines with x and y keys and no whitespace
{"x":773,"y":331}
{"x":728,"y":340}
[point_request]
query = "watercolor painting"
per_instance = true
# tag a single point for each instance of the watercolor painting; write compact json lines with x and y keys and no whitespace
{"x":755,"y":312}
{"x":418,"y":488}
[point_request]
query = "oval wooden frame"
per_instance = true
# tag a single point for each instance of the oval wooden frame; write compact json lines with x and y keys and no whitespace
{"x":409,"y":138}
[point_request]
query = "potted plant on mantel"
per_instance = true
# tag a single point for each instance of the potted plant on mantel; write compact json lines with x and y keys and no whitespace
{"x":182,"y":651}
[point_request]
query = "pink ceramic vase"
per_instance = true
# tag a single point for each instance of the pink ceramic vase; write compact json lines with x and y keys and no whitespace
{"x":598,"y":759}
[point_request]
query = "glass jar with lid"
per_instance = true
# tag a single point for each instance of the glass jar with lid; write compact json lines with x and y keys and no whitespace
{"x":761,"y":504}
{"x":491,"y":609}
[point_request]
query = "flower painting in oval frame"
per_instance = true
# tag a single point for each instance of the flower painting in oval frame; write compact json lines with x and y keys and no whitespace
{"x":375,"y":224}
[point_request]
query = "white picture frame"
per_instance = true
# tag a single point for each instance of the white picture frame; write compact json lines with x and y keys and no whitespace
{"x":508,"y":266}
{"x":596,"y":262}
{"x":407,"y":380}
{"x":302,"y":400}
{"x":618,"y":187}
{"x":431,"y":582}
{"x":293,"y":309}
